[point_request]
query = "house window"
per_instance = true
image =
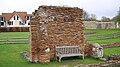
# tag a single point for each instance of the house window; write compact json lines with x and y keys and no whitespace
{"x":28,"y":23}
{"x":2,"y":23}
{"x":20,"y":23}
{"x":28,"y":17}
{"x":25,"y":22}
{"x":10,"y":23}
{"x":17,"y":17}
{"x":2,"y":19}
{"x":14,"y":17}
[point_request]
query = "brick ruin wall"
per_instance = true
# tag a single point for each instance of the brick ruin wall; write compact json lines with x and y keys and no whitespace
{"x":55,"y":26}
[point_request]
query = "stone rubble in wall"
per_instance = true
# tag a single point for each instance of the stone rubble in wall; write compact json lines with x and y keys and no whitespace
{"x":113,"y":57}
{"x":113,"y":61}
{"x":25,"y":55}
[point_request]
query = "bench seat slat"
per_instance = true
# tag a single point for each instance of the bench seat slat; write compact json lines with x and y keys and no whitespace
{"x":67,"y":55}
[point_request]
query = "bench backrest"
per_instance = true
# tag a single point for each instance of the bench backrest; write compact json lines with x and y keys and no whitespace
{"x":67,"y":50}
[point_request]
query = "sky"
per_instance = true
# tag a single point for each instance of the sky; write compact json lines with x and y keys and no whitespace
{"x":108,"y":8}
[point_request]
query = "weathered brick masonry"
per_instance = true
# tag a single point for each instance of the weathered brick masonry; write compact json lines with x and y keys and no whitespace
{"x":55,"y":26}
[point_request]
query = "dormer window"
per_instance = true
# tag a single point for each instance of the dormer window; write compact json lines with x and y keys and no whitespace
{"x":2,"y":19}
{"x":25,"y":22}
{"x":17,"y":17}
{"x":27,"y":17}
{"x":14,"y":17}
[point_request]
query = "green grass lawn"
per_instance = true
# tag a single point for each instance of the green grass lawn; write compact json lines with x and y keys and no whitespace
{"x":10,"y":57}
{"x":14,"y":34}
{"x":10,"y":53}
{"x":102,"y":32}
{"x":113,"y":50}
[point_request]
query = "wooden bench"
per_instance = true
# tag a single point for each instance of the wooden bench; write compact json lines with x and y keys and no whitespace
{"x":68,"y":51}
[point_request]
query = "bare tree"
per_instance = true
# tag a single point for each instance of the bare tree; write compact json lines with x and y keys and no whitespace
{"x":88,"y":16}
{"x":116,"y":19}
{"x":92,"y":17}
{"x":85,"y":15}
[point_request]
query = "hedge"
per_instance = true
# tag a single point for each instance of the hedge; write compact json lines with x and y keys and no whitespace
{"x":14,"y":29}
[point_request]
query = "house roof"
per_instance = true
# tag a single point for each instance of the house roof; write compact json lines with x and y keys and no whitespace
{"x":8,"y":16}
{"x":0,"y":15}
{"x":22,"y":15}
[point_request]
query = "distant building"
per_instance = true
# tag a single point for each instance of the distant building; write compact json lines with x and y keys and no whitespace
{"x":1,"y":20}
{"x":15,"y":19}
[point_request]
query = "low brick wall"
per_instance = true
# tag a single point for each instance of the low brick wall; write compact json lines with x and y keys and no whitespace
{"x":116,"y":44}
{"x":99,"y":25}
{"x":113,"y":57}
{"x":114,"y":61}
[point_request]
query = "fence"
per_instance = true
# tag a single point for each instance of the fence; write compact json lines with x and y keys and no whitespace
{"x":102,"y":36}
{"x":14,"y":40}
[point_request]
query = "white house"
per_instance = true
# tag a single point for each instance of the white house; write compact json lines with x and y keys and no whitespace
{"x":15,"y":19}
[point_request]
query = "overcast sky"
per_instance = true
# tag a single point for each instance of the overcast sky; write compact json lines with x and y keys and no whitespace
{"x":100,"y":8}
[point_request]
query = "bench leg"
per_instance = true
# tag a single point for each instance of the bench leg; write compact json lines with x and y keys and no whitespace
{"x":60,"y":59}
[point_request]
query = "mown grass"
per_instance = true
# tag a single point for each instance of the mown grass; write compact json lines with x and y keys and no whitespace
{"x":113,"y":50}
{"x":14,"y":34}
{"x":102,"y":32}
{"x":97,"y":32}
{"x":10,"y":57}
